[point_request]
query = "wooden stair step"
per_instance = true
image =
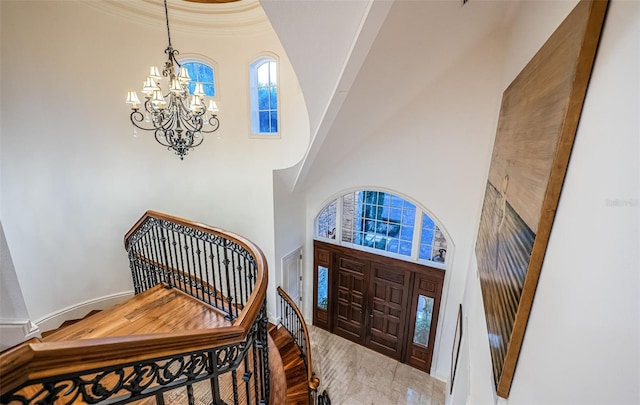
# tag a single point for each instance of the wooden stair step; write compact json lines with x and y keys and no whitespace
{"x":294,"y":367}
{"x":70,"y":322}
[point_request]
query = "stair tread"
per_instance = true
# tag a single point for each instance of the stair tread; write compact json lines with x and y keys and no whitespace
{"x":294,"y":368}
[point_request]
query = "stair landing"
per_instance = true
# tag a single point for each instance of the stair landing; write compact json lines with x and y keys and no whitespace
{"x":157,"y":310}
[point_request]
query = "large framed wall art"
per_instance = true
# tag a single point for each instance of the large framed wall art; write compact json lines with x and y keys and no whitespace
{"x":536,"y":128}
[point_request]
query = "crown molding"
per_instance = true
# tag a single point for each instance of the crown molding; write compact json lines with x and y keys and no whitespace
{"x":244,"y":17}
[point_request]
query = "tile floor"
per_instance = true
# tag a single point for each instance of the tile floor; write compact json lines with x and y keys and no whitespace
{"x":355,"y":375}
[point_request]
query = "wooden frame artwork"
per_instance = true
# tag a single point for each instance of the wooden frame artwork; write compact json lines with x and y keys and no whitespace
{"x":537,"y":125}
{"x":455,"y":352}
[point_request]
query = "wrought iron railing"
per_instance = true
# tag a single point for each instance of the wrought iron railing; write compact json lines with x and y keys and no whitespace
{"x":203,"y":262}
{"x":217,"y":267}
{"x":292,"y":320}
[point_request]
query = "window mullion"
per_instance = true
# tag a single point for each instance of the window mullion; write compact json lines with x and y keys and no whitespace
{"x":417,"y":233}
{"x":339,"y":219}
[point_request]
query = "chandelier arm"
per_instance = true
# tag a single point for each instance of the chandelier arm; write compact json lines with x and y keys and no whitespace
{"x":136,"y":117}
{"x":193,"y":144}
{"x":159,"y":134}
{"x":215,"y":124}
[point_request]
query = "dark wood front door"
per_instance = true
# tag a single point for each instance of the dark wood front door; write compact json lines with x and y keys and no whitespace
{"x":351,"y":295}
{"x":388,"y":305}
{"x":387,"y":315}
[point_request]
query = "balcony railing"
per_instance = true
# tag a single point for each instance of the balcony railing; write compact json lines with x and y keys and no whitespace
{"x":217,"y":267}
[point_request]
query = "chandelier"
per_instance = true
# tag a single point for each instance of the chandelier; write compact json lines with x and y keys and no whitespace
{"x":177,"y":118}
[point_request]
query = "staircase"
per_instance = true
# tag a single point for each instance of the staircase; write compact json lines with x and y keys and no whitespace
{"x":297,"y":386}
{"x":195,"y":332}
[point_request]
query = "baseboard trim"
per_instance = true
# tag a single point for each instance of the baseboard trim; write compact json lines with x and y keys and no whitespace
{"x":13,"y":332}
{"x":55,"y":319}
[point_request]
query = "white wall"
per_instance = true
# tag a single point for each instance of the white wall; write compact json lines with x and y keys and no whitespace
{"x":582,"y":340}
{"x":433,"y":152}
{"x":15,"y":325}
{"x":73,"y":177}
{"x":289,"y":220}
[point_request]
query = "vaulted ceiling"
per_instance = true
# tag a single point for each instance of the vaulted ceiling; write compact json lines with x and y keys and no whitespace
{"x":359,"y":62}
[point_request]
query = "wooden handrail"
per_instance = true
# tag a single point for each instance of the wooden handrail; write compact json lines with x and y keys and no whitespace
{"x":35,"y":359}
{"x":312,"y":380}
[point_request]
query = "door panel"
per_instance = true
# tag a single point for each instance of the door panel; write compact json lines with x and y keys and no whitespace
{"x":424,"y":319}
{"x":390,"y":287}
{"x":351,"y":299}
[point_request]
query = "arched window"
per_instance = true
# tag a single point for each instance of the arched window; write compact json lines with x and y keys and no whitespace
{"x":382,"y":221}
{"x":263,"y":76}
{"x":200,"y":72}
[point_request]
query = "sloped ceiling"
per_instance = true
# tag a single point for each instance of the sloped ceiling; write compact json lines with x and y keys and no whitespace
{"x":319,"y":37}
{"x":415,"y":44}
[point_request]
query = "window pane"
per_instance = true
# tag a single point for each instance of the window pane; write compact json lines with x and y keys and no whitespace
{"x":205,"y":74}
{"x":348,"y":217}
{"x":209,"y":90}
{"x":405,"y":248}
{"x":274,"y":121}
{"x":263,"y":75}
{"x":264,"y":121}
{"x":380,"y":217}
{"x":408,"y":217}
{"x":427,"y":222}
{"x":396,"y":201}
{"x":323,"y":287}
{"x":192,"y":87}
{"x":274,"y":98}
{"x":326,"y":222}
{"x":427,"y":236}
{"x":192,"y":69}
{"x":272,"y":73}
{"x":406,"y":233}
{"x":202,"y":73}
{"x":393,"y":245}
{"x":438,"y":255}
{"x":426,"y":252}
{"x":432,"y":236}
{"x":263,"y":98}
{"x":395,"y":214}
{"x":423,"y":321}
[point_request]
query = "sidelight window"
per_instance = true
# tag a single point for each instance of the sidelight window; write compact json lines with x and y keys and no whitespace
{"x":323,"y":287}
{"x":422,"y":328}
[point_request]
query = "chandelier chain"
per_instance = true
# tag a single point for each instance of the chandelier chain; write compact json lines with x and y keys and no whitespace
{"x":166,"y":14}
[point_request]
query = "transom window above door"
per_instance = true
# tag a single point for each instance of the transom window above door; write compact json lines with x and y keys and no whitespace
{"x":383,"y":222}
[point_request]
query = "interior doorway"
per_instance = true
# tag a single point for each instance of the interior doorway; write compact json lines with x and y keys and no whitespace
{"x":292,"y":275}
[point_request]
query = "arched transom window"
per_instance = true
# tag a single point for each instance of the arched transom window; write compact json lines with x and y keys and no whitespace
{"x":384,"y":222}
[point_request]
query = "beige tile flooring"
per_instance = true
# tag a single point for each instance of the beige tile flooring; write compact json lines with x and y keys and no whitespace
{"x":355,"y":375}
